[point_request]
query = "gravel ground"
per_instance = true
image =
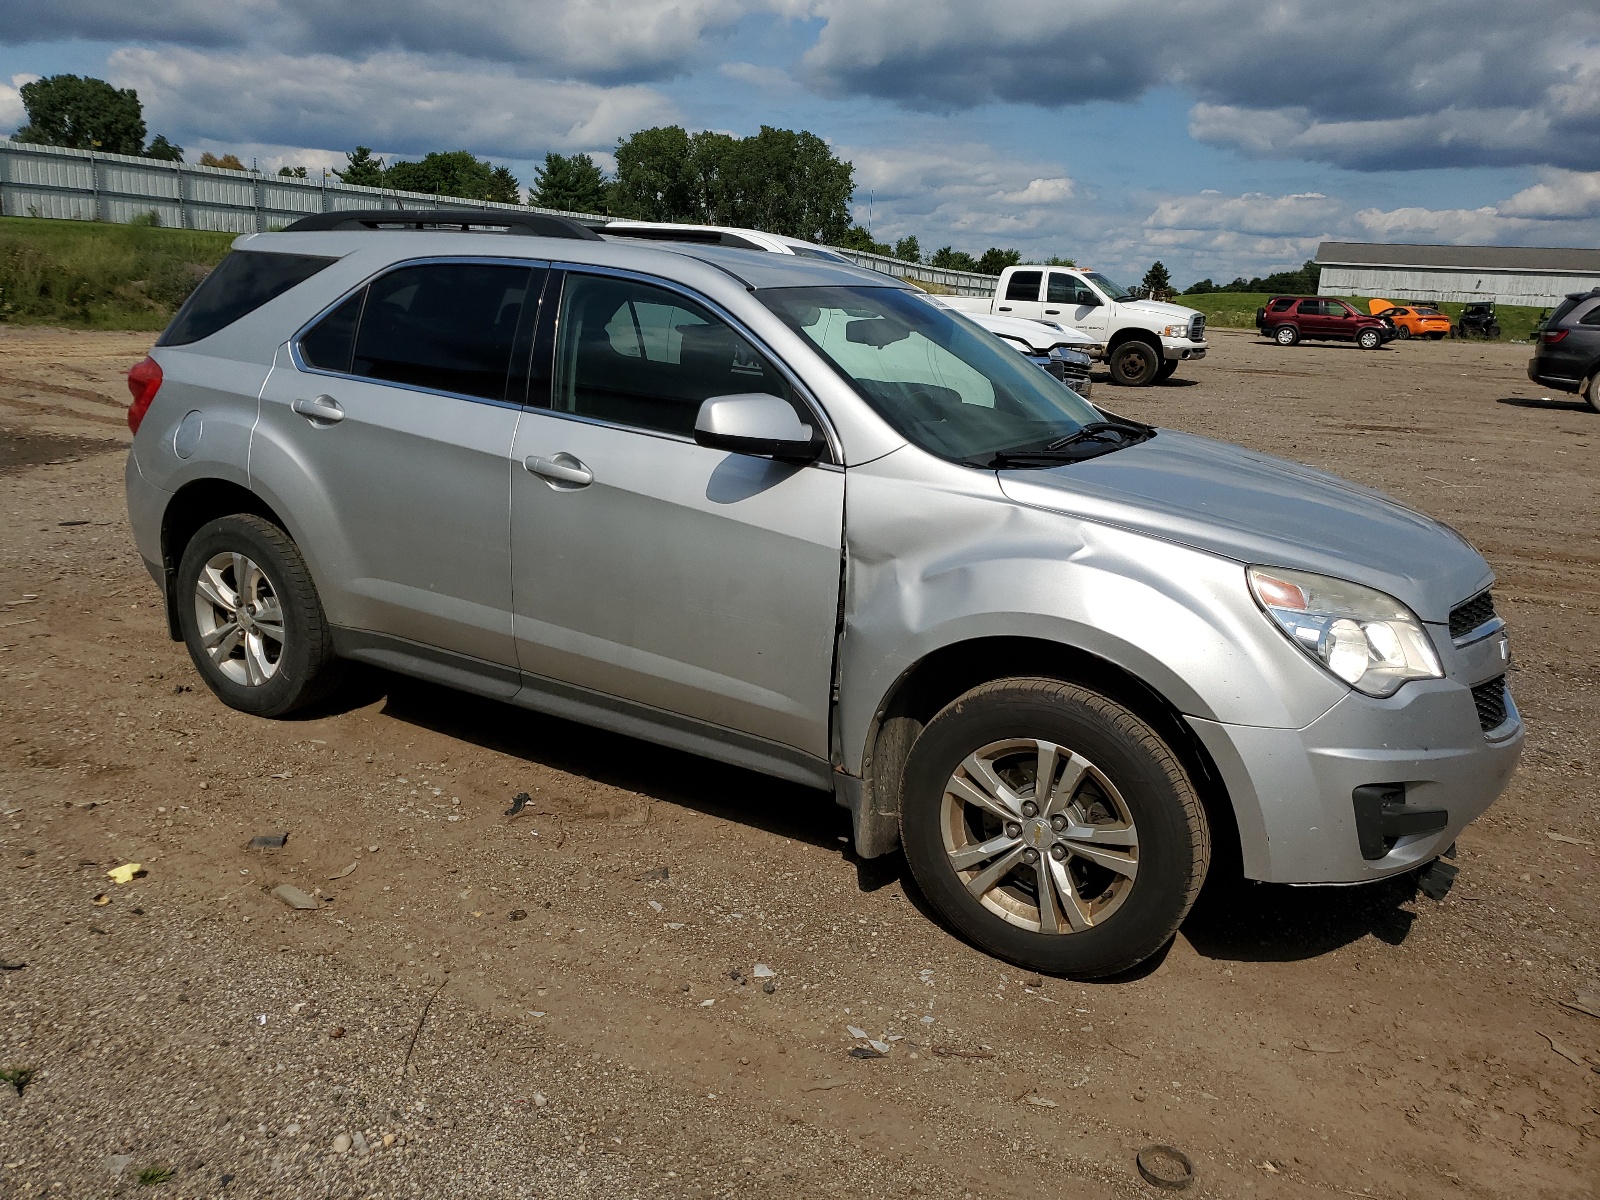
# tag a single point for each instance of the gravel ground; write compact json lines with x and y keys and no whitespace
{"x":568,"y":1003}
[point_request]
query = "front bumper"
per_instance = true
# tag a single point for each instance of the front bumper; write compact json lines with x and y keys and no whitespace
{"x":1293,"y":789}
{"x":1183,"y":350}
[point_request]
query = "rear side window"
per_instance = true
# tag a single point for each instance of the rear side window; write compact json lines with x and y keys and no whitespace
{"x":1592,"y":317}
{"x":1024,"y":285}
{"x":1282,"y":305}
{"x":448,"y":327}
{"x":331,"y":344}
{"x":242,"y":283}
{"x":1311,"y":308}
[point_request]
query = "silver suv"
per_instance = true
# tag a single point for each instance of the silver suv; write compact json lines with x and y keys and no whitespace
{"x":783,"y":513}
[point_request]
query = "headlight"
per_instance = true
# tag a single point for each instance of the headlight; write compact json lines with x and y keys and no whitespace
{"x":1370,"y":640}
{"x":1176,"y":331}
{"x":1069,"y":355}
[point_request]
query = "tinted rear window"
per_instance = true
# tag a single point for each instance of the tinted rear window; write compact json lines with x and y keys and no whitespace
{"x":242,"y":283}
{"x":448,"y":327}
{"x":1024,"y":285}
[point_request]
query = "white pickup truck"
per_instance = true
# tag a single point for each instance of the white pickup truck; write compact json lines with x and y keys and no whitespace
{"x":1143,"y":340}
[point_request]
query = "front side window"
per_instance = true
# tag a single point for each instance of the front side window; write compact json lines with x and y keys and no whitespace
{"x":447,"y":327}
{"x":241,"y":283}
{"x":1068,"y":289}
{"x":1024,"y":285}
{"x":943,"y":383}
{"x":1338,"y":308}
{"x":633,"y":354}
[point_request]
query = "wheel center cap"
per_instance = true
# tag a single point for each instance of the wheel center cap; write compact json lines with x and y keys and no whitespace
{"x":1036,"y":833}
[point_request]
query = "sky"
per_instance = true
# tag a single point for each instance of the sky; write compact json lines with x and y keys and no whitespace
{"x":1223,"y":137}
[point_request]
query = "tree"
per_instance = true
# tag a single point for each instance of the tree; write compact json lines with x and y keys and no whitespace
{"x":953,"y":260}
{"x":292,"y":172}
{"x":82,"y":113}
{"x":228,"y":162}
{"x":908,"y":249}
{"x":1201,"y":287}
{"x":1157,"y":284}
{"x":362,"y":170}
{"x":858,"y":238}
{"x":655,"y":176}
{"x":995,"y":260}
{"x":570,"y":182}
{"x":453,"y":173}
{"x":164,"y":150}
{"x":1053,"y":261}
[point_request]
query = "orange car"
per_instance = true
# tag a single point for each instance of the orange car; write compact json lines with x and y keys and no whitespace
{"x":1417,"y":320}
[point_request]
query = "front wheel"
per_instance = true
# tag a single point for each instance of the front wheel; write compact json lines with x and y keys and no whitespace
{"x":1369,"y":339}
{"x":1052,"y":827}
{"x":1168,"y":368}
{"x":1492,"y":332}
{"x":1134,"y":364}
{"x":251,"y":617}
{"x":1286,"y":335}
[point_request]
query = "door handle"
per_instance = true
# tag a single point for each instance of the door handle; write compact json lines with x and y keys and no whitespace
{"x":1052,"y":312}
{"x":1005,"y":308}
{"x":560,"y":471}
{"x":324,"y":410}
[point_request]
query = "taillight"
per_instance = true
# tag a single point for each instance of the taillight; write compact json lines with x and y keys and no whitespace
{"x":144,"y":381}
{"x":1551,"y":336}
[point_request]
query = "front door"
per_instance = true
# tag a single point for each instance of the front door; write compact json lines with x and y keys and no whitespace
{"x":695,"y":581}
{"x":1070,"y":300}
{"x":386,"y":434}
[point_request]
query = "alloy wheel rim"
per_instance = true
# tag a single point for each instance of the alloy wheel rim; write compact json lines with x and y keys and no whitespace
{"x":240,"y":619}
{"x":1060,"y":858}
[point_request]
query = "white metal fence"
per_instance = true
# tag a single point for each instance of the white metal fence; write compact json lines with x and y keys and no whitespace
{"x":80,"y":185}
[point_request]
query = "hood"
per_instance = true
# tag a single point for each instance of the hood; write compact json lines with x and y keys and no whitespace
{"x":1262,"y":510}
{"x":1160,"y":308}
{"x":1040,"y":334}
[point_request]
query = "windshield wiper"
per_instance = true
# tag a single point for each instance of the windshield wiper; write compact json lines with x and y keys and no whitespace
{"x":1098,"y":431}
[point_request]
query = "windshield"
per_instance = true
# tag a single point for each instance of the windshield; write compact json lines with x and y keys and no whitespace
{"x":1115,"y":290}
{"x":943,"y":383}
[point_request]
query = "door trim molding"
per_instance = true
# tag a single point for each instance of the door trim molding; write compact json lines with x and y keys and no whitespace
{"x":583,"y":705}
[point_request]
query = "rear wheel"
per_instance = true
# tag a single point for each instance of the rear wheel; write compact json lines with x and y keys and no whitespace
{"x":1586,"y":391}
{"x":1053,"y":827}
{"x":1369,"y":339}
{"x":251,"y":617}
{"x":1286,"y":335}
{"x":1134,"y":364}
{"x":1402,"y":333}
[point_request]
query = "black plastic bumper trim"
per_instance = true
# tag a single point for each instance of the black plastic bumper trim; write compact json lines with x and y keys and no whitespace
{"x":1383,"y":816}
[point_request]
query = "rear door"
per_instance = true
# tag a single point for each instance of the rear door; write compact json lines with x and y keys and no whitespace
{"x":1021,"y":296}
{"x":1310,"y":316}
{"x":698,"y":582}
{"x":386,"y":432}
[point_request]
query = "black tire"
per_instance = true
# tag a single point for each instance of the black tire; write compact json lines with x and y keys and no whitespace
{"x":1586,"y":391}
{"x":1369,"y":339}
{"x":1134,"y":364}
{"x":1492,"y":332}
{"x":1286,"y":335}
{"x":1402,"y":333}
{"x":303,"y":669}
{"x":1173,"y":840}
{"x":1168,"y":368}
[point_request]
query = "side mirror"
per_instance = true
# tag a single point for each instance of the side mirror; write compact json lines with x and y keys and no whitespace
{"x":1087,"y":299}
{"x":755,"y":423}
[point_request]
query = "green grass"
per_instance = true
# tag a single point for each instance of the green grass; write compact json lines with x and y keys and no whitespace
{"x":155,"y":1176}
{"x":92,"y":276}
{"x":1237,"y":310}
{"x":17,"y":1077}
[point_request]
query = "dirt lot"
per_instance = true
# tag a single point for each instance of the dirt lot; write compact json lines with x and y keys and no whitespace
{"x":550,"y":1006}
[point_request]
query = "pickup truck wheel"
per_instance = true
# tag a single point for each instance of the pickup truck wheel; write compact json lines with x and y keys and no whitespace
{"x":1369,"y":339}
{"x":1168,"y":368}
{"x":1052,"y":827}
{"x":1134,"y":364}
{"x":251,"y":617}
{"x":1286,"y":335}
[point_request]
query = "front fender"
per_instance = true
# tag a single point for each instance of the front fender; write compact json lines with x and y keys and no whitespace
{"x":937,"y":556}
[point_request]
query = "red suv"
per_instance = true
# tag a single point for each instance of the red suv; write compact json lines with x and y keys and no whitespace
{"x":1288,"y":319}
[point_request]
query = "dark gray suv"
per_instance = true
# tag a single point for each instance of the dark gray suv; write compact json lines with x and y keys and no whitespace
{"x":1568,"y":354}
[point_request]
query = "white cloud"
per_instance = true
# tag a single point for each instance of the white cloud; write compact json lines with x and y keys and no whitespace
{"x":404,"y":101}
{"x":13,"y":115}
{"x":1562,"y":195}
{"x":1040,"y":191}
{"x":1252,"y":213}
{"x":766,"y":79}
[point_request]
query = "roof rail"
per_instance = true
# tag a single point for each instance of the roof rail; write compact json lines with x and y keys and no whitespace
{"x":378,"y":219}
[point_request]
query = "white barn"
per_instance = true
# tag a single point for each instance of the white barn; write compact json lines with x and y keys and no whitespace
{"x":1532,"y":275}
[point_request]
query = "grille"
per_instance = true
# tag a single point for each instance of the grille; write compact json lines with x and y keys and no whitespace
{"x":1491,"y":701}
{"x":1464,"y":618}
{"x":1197,"y":328}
